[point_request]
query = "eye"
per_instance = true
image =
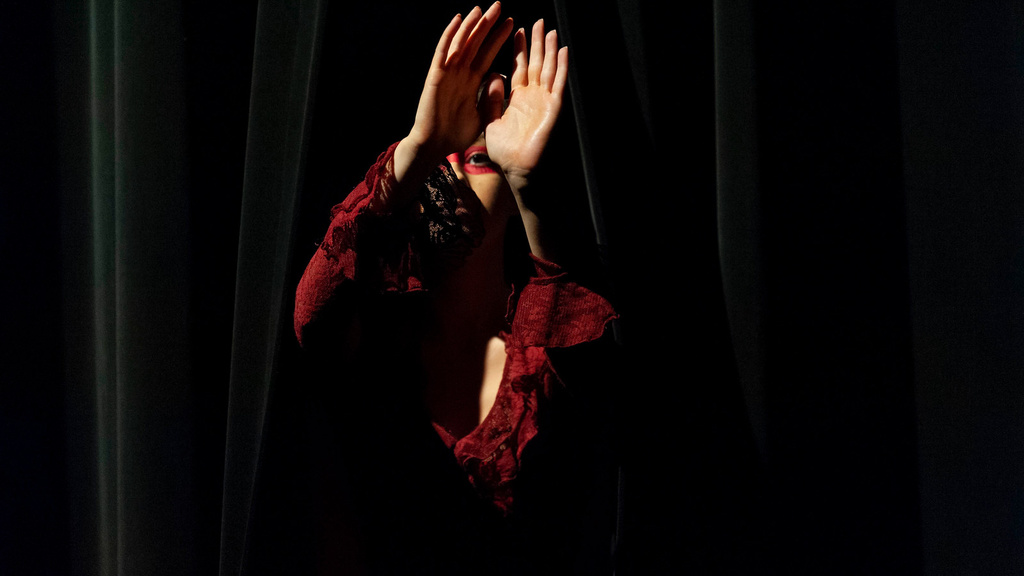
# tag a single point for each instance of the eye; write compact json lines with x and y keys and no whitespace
{"x":478,"y":159}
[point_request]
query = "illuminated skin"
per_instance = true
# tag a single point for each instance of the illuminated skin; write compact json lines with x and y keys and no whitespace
{"x":463,"y":355}
{"x":449,"y":117}
{"x":475,"y":160}
{"x":475,"y":168}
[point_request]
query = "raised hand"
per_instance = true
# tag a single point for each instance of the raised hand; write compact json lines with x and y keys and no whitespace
{"x":447,"y":118}
{"x":516,"y":138}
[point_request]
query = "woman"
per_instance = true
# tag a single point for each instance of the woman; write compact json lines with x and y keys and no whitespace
{"x":409,"y":293}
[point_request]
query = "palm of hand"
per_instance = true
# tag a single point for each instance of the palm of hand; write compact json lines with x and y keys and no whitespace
{"x":516,"y":140}
{"x":448,"y":111}
{"x":447,"y":119}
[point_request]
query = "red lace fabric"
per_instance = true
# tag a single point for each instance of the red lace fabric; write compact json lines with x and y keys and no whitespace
{"x":391,"y":252}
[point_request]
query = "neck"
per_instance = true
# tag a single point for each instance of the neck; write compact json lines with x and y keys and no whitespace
{"x":472,"y":299}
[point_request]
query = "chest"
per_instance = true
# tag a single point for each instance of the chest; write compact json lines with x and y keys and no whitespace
{"x":462,"y":380}
{"x":494,"y":370}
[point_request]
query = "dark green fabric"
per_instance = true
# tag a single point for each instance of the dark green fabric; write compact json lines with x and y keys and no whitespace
{"x":137,"y":434}
{"x":142,"y":379}
{"x":288,"y":35}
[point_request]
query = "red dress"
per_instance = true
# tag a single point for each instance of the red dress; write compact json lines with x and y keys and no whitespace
{"x":382,"y":252}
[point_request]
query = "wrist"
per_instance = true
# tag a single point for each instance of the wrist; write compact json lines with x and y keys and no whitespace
{"x":415,"y":159}
{"x":417,"y":150}
{"x":518,"y":180}
{"x":411,"y":163}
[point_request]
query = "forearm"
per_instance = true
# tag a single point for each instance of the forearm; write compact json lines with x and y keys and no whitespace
{"x":542,"y":233}
{"x":351,"y":251}
{"x":412,"y":163}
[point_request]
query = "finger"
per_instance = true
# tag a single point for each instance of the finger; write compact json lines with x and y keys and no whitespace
{"x":562,"y":74}
{"x":536,"y":52}
{"x":457,"y":46}
{"x":519,"y":63}
{"x":481,"y":31}
{"x":547,"y":74}
{"x":495,"y":40}
{"x":492,"y":103}
{"x":441,"y":52}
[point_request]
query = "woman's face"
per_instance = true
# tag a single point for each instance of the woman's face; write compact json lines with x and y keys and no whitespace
{"x":475,"y":168}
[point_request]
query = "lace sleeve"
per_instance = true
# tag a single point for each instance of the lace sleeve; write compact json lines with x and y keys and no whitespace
{"x":385,"y":248}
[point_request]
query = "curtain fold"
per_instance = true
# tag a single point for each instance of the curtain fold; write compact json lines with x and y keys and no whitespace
{"x":136,"y":332}
{"x":129,"y":375}
{"x":288,"y":37}
{"x":738,"y":218}
{"x":101,"y":237}
{"x":646,"y":102}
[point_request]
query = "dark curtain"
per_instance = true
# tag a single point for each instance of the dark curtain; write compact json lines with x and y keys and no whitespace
{"x":809,"y":216}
